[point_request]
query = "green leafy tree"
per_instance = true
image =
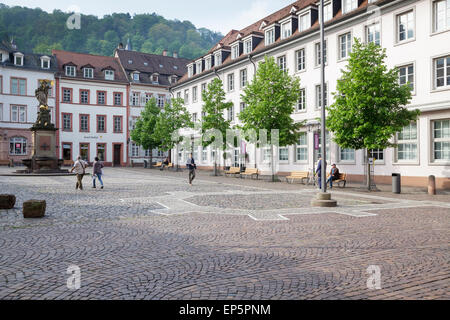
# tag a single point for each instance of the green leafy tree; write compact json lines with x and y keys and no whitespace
{"x":171,"y":119}
{"x":270,"y":100}
{"x":214,"y":106}
{"x":369,"y":102}
{"x":143,"y":133}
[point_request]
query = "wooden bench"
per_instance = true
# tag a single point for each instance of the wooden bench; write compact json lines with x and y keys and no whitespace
{"x":68,"y":163}
{"x":250,"y":172}
{"x":5,"y":163}
{"x":233,"y":170}
{"x":170,"y":165}
{"x":158,"y":164}
{"x":300,"y":175}
{"x":342,"y":179}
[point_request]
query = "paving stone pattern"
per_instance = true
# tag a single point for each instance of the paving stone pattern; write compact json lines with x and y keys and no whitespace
{"x":149,"y":235}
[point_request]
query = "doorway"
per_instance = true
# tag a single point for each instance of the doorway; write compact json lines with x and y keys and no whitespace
{"x":117,"y":155}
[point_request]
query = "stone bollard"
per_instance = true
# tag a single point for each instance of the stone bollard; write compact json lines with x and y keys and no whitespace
{"x":7,"y":201}
{"x":431,"y":185}
{"x":34,"y":208}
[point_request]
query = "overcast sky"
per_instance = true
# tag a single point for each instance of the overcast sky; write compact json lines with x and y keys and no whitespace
{"x":232,"y":14}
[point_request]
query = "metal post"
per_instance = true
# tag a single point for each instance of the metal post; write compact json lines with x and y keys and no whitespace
{"x":322,"y":89}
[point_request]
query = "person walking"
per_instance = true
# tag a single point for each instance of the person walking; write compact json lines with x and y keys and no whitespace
{"x":80,"y":169}
{"x":319,"y":172}
{"x":334,"y":175}
{"x":97,"y":172}
{"x":190,"y":164}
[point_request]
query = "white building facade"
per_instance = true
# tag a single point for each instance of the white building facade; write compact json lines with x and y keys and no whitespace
{"x":416,"y":35}
{"x":92,"y":108}
{"x":20,"y":74}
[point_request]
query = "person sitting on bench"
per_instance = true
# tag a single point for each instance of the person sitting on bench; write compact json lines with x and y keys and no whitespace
{"x":164,"y":163}
{"x":334,"y":175}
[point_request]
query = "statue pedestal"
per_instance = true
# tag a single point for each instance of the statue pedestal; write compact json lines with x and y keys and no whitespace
{"x":44,"y":159}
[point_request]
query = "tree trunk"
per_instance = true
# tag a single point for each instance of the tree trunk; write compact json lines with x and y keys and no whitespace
{"x":151,"y":158}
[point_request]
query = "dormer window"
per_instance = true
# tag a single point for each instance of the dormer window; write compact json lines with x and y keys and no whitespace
{"x":235,"y":51}
{"x":175,"y":67}
{"x":218,"y":58}
{"x":327,"y":11}
{"x":18,"y":59}
{"x":70,"y":71}
{"x":45,"y":62}
{"x":348,"y":5}
{"x":88,"y":73}
{"x":135,"y":76}
{"x":286,"y":29}
{"x":190,"y":70}
{"x":304,"y":22}
{"x":161,"y":66}
{"x":145,"y":63}
{"x":130,"y":61}
{"x":109,"y":74}
{"x":208,"y":63}
{"x":248,"y":46}
{"x":270,"y":36}
{"x":198,"y":66}
{"x":173,"y":79}
{"x":154,"y":78}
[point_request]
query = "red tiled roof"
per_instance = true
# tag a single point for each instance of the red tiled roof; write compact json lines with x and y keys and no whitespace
{"x":274,"y":18}
{"x":99,"y":63}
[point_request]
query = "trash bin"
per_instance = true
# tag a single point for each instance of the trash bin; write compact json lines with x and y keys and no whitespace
{"x":396,"y":183}
{"x":145,"y":163}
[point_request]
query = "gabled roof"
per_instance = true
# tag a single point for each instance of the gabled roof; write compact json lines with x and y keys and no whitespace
{"x":98,"y":63}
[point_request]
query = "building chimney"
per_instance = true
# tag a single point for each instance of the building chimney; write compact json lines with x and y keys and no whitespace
{"x":165,"y":53}
{"x":175,"y":54}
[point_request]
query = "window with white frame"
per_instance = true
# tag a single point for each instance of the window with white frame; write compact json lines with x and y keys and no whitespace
{"x":45,"y":63}
{"x":318,"y":59}
{"x":269,"y":36}
{"x":208,"y":64}
{"x":243,"y":78}
{"x":286,"y":29}
{"x":230,"y":81}
{"x":67,"y":95}
{"x":301,"y":106}
{"x":18,"y":59}
{"x":70,"y":71}
{"x":18,"y":113}
{"x":300,"y":59}
{"x":242,"y":106}
{"x":218,"y":59}
{"x":235,"y":51}
{"x":147,"y":97}
{"x":407,"y":143}
{"x":84,"y":96}
{"x":304,"y":22}
{"x":248,"y":46}
{"x":441,"y":140}
{"x":204,"y":154}
{"x":17,"y":146}
{"x":135,"y":99}
{"x":135,"y":76}
{"x":373,"y":34}
{"x":18,"y":86}
{"x":202,"y":89}
{"x":88,"y":72}
{"x":377,"y":154}
{"x":345,"y":45}
{"x":134,"y":150}
{"x":117,"y":98}
{"x":194,"y":94}
{"x":441,"y":15}
{"x":349,"y":5}
{"x":442,"y":72}
{"x":194,"y":117}
{"x":283,"y":153}
{"x":160,"y":101}
{"x":109,"y":74}
{"x":267,"y":154}
{"x":405,"y":26}
{"x":347,"y":154}
{"x":178,"y":94}
{"x":406,"y":75}
{"x":230,"y":113}
{"x":301,"y":149}
{"x":319,"y":95}
{"x":282,"y":63}
{"x":186,"y":96}
{"x":327,"y":12}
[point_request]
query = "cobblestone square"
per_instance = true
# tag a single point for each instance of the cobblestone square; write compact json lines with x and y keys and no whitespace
{"x":149,"y":235}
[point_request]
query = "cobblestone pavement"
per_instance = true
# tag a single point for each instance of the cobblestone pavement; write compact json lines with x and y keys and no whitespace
{"x":149,"y":235}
